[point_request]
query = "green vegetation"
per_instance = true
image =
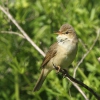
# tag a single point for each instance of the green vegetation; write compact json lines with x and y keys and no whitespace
{"x":20,"y":62}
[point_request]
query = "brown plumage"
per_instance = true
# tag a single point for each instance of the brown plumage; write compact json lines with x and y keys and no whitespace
{"x":50,"y":54}
{"x":61,"y":53}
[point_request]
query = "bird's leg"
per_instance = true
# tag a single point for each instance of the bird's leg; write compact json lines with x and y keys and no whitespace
{"x":57,"y":68}
{"x":63,"y":71}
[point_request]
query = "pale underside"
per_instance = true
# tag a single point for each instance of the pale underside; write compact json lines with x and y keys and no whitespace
{"x":61,"y":54}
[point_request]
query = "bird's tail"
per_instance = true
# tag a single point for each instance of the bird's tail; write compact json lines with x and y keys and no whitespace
{"x":41,"y":79}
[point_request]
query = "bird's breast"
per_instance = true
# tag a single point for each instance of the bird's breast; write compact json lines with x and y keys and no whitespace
{"x":65,"y":54}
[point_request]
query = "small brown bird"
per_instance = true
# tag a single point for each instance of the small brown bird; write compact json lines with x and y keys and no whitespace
{"x":61,"y":53}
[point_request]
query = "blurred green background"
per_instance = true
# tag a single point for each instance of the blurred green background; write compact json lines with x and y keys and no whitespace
{"x":20,"y":62}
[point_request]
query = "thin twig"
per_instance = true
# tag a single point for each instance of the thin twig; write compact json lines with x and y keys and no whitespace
{"x":79,"y":89}
{"x":76,"y":86}
{"x":83,"y":45}
{"x":66,"y":74}
{"x":11,"y":32}
{"x":22,"y":31}
{"x":98,"y":32}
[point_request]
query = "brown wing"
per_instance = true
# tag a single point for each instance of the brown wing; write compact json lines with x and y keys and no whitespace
{"x":50,"y":54}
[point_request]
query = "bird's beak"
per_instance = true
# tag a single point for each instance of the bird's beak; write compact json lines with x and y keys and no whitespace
{"x":58,"y":33}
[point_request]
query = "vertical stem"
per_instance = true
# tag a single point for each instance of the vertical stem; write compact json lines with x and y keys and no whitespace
{"x":16,"y":86}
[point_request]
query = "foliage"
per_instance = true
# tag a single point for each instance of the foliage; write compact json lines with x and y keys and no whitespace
{"x":20,"y":62}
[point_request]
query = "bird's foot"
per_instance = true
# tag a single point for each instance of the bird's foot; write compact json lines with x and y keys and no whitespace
{"x":57,"y":68}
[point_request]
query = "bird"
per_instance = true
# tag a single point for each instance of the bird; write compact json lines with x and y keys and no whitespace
{"x":61,"y":53}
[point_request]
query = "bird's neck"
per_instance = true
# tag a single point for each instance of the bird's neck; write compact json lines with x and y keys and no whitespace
{"x":60,"y":39}
{"x":63,"y":38}
{"x":66,"y":42}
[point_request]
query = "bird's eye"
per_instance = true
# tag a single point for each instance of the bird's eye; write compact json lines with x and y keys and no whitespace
{"x":67,"y":32}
